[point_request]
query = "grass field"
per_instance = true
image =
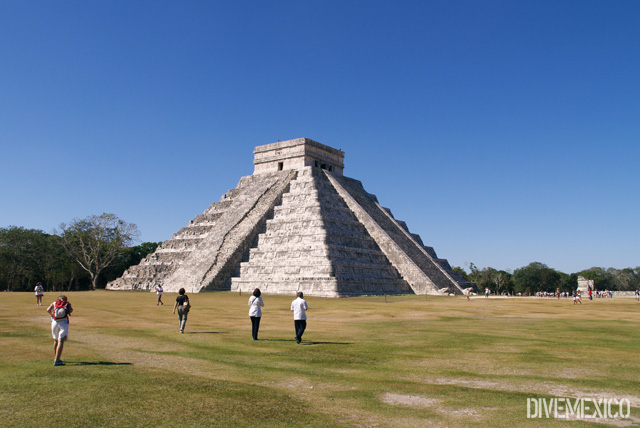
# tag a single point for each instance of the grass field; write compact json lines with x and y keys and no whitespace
{"x":410,"y":362}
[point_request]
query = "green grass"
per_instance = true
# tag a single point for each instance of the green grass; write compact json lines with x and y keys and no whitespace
{"x":441,"y":361}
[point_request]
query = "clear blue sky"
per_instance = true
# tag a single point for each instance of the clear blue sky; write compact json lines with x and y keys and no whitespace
{"x":502,"y":132}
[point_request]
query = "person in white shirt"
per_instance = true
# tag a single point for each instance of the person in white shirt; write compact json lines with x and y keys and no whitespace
{"x":159,"y":290}
{"x":299,"y":306}
{"x":255,"y":313}
{"x":39,"y":293}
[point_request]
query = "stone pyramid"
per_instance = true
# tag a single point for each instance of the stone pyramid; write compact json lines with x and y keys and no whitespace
{"x":296,"y":224}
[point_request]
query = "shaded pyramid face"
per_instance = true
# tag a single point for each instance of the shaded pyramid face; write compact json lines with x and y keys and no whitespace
{"x":296,"y":224}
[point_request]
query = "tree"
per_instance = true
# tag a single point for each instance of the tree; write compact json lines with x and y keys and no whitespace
{"x":497,"y":281}
{"x":569,"y":282}
{"x":28,"y":256}
{"x":474,"y":276}
{"x":52,"y":261}
{"x":21,"y":251}
{"x":625,"y":279}
{"x":534,"y":277}
{"x":501,"y":279}
{"x":95,"y":242}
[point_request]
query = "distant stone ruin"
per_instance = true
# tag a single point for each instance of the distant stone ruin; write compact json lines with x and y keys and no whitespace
{"x":585,"y":284}
{"x":295,"y":224}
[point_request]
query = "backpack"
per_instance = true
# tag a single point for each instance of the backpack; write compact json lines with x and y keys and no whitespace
{"x":60,"y":310}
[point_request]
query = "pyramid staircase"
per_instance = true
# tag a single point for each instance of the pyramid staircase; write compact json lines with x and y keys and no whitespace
{"x":316,"y":244}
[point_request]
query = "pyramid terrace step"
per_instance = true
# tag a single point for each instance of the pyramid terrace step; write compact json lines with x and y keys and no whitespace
{"x":316,"y":207}
{"x":334,"y":224}
{"x":319,"y":250}
{"x":178,"y":245}
{"x":219,"y":207}
{"x":346,"y":240}
{"x":207,"y":219}
{"x":194,"y":230}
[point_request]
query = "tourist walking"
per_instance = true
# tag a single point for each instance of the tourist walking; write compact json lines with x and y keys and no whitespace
{"x":39,"y":293}
{"x":576,"y":297}
{"x":159,"y":291}
{"x":637,"y":295}
{"x":299,"y":307}
{"x":183,"y":306}
{"x":255,"y":312}
{"x":59,"y":311}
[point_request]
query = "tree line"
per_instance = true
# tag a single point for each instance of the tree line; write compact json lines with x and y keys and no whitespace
{"x":537,"y":276}
{"x":84,"y":254}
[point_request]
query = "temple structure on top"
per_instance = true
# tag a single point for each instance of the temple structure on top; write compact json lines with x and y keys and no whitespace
{"x":296,"y":224}
{"x":297,"y":154}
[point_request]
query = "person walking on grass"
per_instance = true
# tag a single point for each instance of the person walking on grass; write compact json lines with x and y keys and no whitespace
{"x":159,"y":290}
{"x":59,"y":311}
{"x":183,"y":306}
{"x":576,"y":297}
{"x":255,"y":313}
{"x":39,"y":293}
{"x":299,"y":307}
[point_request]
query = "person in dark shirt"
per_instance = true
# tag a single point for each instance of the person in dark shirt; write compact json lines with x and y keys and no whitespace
{"x":183,"y":306}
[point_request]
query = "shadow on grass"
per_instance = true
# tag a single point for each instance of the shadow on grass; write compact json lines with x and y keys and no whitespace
{"x":98,"y":363}
{"x":306,"y":343}
{"x":324,"y":343}
{"x":204,"y":332}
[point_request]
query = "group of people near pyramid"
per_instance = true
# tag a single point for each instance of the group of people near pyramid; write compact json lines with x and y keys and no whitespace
{"x":61,"y":308}
{"x":298,"y":306}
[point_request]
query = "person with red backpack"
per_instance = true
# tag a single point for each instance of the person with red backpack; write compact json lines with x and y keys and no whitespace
{"x":59,"y":311}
